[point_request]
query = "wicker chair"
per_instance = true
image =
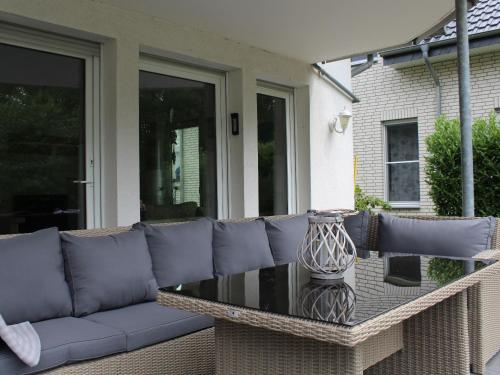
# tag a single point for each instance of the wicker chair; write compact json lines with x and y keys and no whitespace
{"x":483,"y":305}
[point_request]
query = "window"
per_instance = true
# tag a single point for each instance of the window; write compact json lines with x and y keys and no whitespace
{"x":47,"y":127}
{"x":275,"y":150}
{"x":402,"y":165}
{"x":179,"y":129}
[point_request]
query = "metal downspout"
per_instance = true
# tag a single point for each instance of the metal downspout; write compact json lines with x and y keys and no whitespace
{"x":425,"y":54}
{"x":337,"y":83}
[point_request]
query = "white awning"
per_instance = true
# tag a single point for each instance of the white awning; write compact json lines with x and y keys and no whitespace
{"x":308,"y":30}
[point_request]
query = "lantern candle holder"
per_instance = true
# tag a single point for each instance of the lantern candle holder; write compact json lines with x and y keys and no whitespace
{"x":327,"y":250}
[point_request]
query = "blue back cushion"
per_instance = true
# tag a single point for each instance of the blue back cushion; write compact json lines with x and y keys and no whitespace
{"x":181,"y":253}
{"x":241,"y":247}
{"x":107,"y":272}
{"x":449,"y":238}
{"x":357,"y":227}
{"x":285,"y":237}
{"x":32,"y":283}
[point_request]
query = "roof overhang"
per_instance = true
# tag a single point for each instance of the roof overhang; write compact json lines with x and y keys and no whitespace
{"x":441,"y":50}
{"x":307,"y":30}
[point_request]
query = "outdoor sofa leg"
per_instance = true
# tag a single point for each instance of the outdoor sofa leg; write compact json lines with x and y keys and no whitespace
{"x":436,"y":341}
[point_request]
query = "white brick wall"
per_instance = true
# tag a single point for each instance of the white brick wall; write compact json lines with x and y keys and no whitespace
{"x":386,"y":94}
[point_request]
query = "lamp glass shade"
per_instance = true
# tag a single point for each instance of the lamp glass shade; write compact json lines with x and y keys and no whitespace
{"x":344,"y":118}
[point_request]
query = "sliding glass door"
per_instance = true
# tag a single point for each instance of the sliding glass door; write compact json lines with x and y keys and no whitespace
{"x":275,"y":151}
{"x":179,"y":118}
{"x":45,"y":166}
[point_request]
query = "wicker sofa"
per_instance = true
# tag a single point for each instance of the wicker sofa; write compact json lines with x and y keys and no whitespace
{"x":162,"y":346}
{"x":194,"y":352}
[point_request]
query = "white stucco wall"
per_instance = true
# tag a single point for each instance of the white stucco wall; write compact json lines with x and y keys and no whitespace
{"x":324,"y":160}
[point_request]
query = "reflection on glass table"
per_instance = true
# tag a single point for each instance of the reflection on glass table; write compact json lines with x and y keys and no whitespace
{"x":365,"y":291}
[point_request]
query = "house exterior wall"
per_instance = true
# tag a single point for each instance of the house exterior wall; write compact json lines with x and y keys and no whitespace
{"x":124,"y":35}
{"x":387,"y":93}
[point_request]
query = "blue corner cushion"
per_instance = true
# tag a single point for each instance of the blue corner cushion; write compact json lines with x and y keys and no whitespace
{"x":357,"y":227}
{"x":450,"y":238}
{"x":66,"y":340}
{"x":241,"y":247}
{"x":32,"y":281}
{"x":285,"y":236}
{"x":180,"y":253}
{"x":149,"y":323}
{"x":108,"y":272}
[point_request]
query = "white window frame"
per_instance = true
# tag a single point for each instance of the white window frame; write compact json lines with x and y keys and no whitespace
{"x":497,"y":113}
{"x":90,"y":53}
{"x":387,"y":163}
{"x":286,"y":93}
{"x":156,"y":65}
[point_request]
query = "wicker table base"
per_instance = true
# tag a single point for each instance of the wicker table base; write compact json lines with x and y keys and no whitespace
{"x":242,"y":349}
{"x":436,"y":342}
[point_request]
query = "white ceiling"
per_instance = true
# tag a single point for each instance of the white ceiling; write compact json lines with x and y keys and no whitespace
{"x":308,"y":30}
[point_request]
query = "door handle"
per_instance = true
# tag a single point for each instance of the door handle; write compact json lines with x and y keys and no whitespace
{"x":83,"y":182}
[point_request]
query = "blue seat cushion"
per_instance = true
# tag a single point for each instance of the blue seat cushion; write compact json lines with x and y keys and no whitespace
{"x":146,"y":324}
{"x":64,"y":341}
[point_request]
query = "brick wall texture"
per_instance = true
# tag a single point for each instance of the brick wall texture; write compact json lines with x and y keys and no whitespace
{"x":387,"y":93}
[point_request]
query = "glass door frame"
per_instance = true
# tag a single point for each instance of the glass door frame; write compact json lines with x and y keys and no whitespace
{"x":287,"y":94}
{"x":218,"y":79}
{"x":90,"y":53}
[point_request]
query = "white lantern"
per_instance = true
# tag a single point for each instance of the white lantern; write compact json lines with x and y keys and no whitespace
{"x":327,"y":250}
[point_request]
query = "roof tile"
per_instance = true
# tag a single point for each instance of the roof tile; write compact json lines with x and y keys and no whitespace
{"x":482,"y":17}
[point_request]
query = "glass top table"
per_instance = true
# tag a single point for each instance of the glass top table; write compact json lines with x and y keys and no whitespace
{"x":371,"y":287}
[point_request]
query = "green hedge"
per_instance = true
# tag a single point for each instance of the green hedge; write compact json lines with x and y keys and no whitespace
{"x":443,"y":169}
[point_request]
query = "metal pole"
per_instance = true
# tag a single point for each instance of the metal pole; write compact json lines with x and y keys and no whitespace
{"x":465,"y":108}
{"x":465,"y":114}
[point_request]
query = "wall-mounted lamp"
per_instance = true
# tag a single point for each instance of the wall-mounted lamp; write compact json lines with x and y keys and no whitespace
{"x":343,"y":118}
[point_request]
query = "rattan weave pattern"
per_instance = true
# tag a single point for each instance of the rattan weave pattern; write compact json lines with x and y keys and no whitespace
{"x":436,"y":342}
{"x":192,"y":354}
{"x":242,"y":349}
{"x":476,"y":333}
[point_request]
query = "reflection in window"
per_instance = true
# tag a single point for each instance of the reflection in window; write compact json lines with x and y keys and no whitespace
{"x":402,"y":163}
{"x":42,"y":140}
{"x":177,"y":148}
{"x":273,"y":180}
{"x":403,"y":270}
